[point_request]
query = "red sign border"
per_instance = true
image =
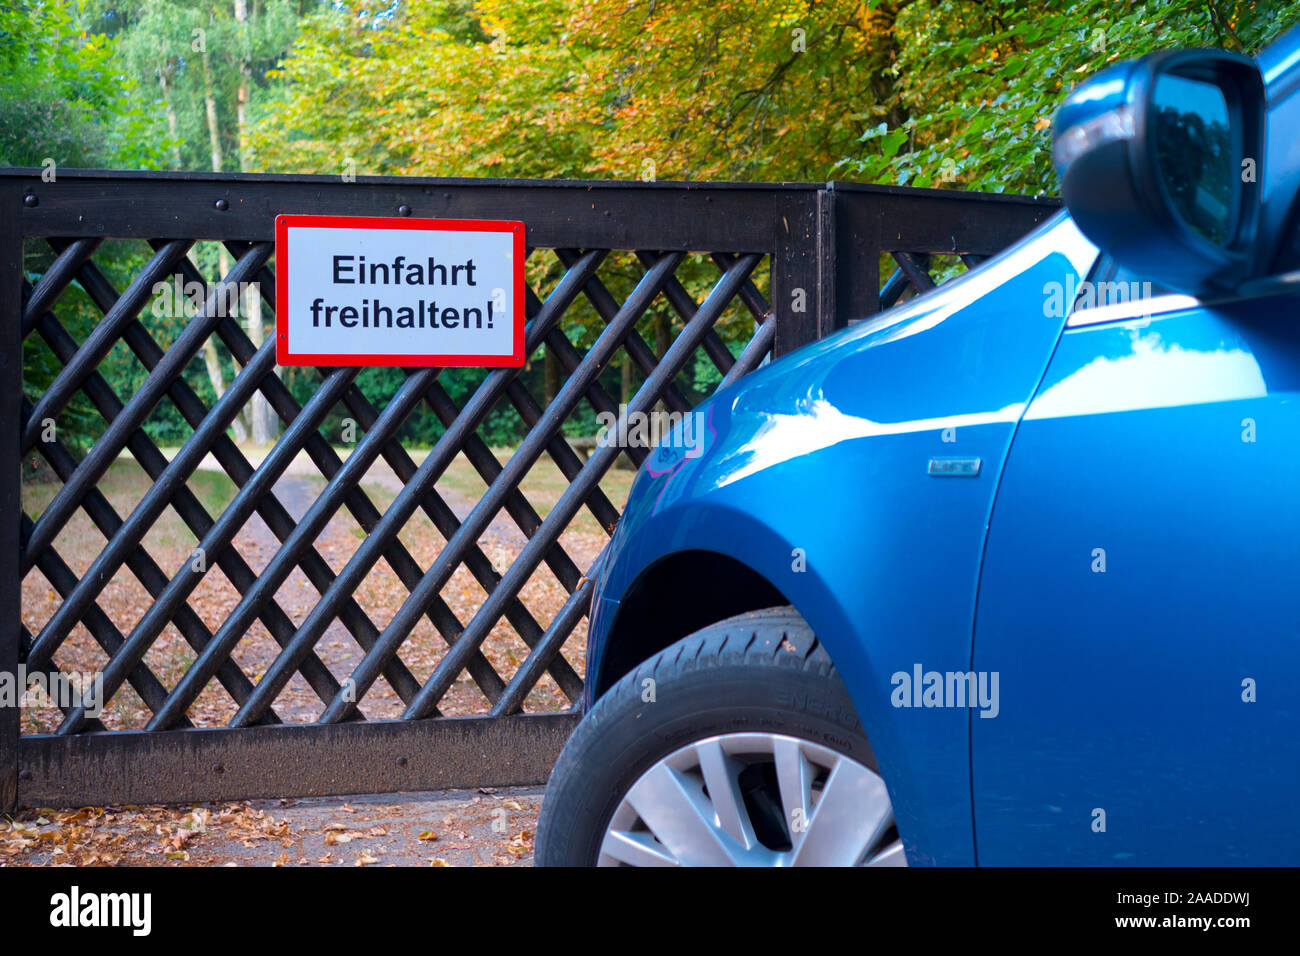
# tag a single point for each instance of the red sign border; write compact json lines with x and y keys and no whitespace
{"x":284,"y":357}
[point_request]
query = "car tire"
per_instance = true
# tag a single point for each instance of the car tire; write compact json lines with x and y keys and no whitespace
{"x":737,"y":745}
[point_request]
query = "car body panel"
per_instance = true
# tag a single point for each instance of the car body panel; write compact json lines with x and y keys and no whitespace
{"x":892,"y":554}
{"x":1164,"y":595}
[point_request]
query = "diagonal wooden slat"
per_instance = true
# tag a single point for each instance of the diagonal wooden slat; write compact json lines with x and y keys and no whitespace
{"x":104,"y":336}
{"x":215,"y":540}
{"x":753,"y":300}
{"x":57,"y":277}
{"x":316,"y":569}
{"x":478,"y":564}
{"x":684,"y":305}
{"x":916,"y":268}
{"x":123,"y":543}
{"x":137,"y":408}
{"x":397,"y":514}
{"x":97,"y":623}
{"x":573,"y":610}
{"x":606,"y":306}
{"x":488,"y":505}
{"x":236,"y":466}
{"x":514,"y":503}
{"x":51,"y":672}
{"x":521,"y":568}
{"x":304,"y":532}
{"x":600,"y":401}
{"x":187,"y":622}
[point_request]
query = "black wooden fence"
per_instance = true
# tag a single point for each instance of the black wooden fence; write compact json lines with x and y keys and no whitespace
{"x":818,"y":246}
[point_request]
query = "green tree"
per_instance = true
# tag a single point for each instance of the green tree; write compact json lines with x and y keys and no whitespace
{"x":199,"y":63}
{"x":980,"y":81}
{"x":64,"y":98}
{"x":65,"y":101}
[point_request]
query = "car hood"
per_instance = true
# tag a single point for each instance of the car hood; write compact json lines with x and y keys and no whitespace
{"x":968,"y":353}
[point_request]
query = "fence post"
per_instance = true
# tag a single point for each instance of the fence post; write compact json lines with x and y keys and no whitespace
{"x":799,"y":266}
{"x":11,"y":386}
{"x":822,"y":251}
{"x":856,"y":248}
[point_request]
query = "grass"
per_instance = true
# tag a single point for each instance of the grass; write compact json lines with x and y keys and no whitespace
{"x":125,"y":483}
{"x":542,"y":486}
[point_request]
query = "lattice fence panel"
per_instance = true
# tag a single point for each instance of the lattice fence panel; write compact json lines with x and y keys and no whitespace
{"x":334,"y":577}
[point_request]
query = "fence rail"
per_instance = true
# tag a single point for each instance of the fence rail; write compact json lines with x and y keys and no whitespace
{"x":801,"y":260}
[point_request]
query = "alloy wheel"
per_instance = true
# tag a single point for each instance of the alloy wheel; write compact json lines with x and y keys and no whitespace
{"x":754,"y":799}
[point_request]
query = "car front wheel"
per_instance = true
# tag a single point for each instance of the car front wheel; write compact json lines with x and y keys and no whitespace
{"x":735,"y":746}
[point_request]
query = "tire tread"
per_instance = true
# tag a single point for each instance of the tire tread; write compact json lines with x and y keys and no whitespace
{"x":776,"y":637}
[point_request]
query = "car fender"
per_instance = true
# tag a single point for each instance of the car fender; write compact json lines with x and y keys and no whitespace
{"x":818,"y":472}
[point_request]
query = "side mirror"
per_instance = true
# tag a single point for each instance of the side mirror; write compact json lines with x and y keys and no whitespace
{"x":1159,"y":161}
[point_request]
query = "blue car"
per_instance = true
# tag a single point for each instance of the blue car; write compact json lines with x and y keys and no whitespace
{"x":1006,"y":575}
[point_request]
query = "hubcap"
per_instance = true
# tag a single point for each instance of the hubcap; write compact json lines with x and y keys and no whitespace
{"x":753,"y":799}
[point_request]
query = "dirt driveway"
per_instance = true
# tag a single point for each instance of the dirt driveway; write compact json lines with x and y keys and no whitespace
{"x":446,"y":828}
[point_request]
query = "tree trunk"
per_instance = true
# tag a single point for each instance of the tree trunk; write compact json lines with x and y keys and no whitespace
{"x":214,"y":139}
{"x":211,"y":357}
{"x":663,"y":334}
{"x":210,"y":103}
{"x":550,"y":375}
{"x":172,"y":125}
{"x":263,"y":419}
{"x":210,"y":354}
{"x":212,"y":360}
{"x":663,"y":340}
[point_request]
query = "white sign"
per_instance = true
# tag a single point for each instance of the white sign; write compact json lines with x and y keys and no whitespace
{"x":355,"y":290}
